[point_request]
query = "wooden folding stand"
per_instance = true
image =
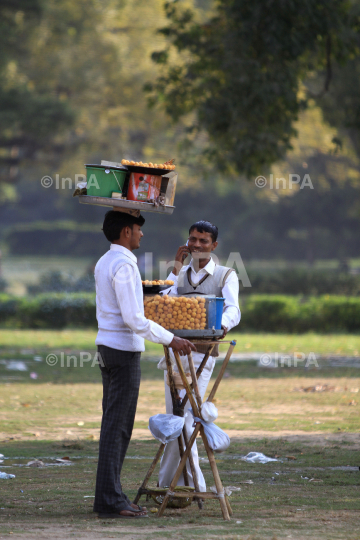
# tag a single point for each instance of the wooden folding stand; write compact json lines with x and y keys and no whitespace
{"x":192,"y":394}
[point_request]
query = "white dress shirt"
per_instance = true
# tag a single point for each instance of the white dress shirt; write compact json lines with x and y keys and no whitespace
{"x":231,"y":314}
{"x":120,"y":305}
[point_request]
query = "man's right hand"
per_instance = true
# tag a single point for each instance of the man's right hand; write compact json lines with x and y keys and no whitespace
{"x":182,"y":346}
{"x":180,"y":257}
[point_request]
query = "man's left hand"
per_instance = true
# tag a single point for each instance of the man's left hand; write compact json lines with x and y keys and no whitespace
{"x":225,"y":331}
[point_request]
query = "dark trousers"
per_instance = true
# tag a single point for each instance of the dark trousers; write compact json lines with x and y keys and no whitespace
{"x":120,"y":372}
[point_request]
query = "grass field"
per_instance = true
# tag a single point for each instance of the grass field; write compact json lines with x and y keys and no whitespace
{"x":83,"y":340}
{"x":55,"y":501}
{"x":274,"y":411}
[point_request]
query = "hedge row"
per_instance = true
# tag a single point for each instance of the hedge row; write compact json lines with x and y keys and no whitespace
{"x":302,"y":282}
{"x":295,"y":314}
{"x":54,"y":310}
{"x":260,"y":313}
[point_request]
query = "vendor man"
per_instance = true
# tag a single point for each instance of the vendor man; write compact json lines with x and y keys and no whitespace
{"x":120,"y":341}
{"x":201,"y":276}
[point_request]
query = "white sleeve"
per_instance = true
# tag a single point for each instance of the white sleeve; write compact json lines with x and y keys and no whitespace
{"x":230,"y":291}
{"x":173,"y":289}
{"x":131,"y":312}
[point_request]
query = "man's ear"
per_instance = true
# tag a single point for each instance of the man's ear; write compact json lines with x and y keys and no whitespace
{"x":214,"y":246}
{"x":124,"y":232}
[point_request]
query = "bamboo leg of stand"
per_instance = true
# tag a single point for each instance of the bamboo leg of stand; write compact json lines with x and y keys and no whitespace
{"x":149,"y":473}
{"x":192,"y":467}
{"x":179,"y":470}
{"x":176,"y":407}
{"x":173,"y":390}
{"x":222,"y":371}
{"x":183,"y":403}
{"x":194,"y":380}
{"x":191,"y":461}
{"x":189,"y":394}
{"x":224,"y":502}
{"x":186,"y":384}
{"x":228,"y":505}
{"x":218,"y":483}
{"x":199,"y":370}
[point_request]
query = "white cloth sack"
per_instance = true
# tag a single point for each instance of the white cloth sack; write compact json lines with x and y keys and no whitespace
{"x":184,"y":361}
{"x":209,"y":412}
{"x":217,"y":438}
{"x":166,"y":427}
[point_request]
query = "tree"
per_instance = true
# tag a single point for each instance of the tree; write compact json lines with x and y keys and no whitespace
{"x":29,"y":115}
{"x":240,"y":72}
{"x":341,"y":104}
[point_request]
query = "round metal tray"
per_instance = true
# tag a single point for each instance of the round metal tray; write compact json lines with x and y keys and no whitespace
{"x":198,"y":334}
{"x":154,"y":289}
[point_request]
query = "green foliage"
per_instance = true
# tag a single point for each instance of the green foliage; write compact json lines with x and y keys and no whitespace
{"x":16,"y":18}
{"x":72,"y":94}
{"x":54,"y":238}
{"x":48,"y":311}
{"x":240,"y":72}
{"x":305,"y":282}
{"x":275,"y":313}
{"x":8,"y":307}
{"x":56,"y":281}
{"x":260,"y":313}
{"x":71,"y":84}
{"x":30,"y":115}
{"x":341,"y":104}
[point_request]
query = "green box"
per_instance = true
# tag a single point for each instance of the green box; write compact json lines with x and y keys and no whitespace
{"x":102,"y":180}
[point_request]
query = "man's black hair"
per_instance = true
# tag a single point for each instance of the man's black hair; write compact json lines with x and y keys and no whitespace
{"x":115,"y":222}
{"x":205,"y":226}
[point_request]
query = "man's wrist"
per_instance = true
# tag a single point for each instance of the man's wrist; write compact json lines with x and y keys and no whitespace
{"x":169,"y":339}
{"x":177,"y":267}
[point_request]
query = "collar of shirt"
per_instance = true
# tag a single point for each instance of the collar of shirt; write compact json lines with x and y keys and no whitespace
{"x":209,"y":268}
{"x":124,"y":250}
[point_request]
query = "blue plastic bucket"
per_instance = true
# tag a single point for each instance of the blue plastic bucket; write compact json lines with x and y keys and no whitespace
{"x":219,"y":312}
{"x":211,"y":312}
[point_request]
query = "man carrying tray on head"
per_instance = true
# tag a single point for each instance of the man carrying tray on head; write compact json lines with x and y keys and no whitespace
{"x":120,"y":341}
{"x":201,"y":276}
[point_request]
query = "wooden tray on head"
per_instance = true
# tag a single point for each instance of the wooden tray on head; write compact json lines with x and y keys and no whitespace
{"x":124,"y":203}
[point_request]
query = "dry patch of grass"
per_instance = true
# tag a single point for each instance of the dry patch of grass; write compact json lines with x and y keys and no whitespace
{"x":261,"y":405}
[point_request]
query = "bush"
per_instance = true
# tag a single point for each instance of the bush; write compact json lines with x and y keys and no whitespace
{"x":54,"y":310}
{"x":260,"y":313}
{"x":8,"y":307}
{"x":300,"y":281}
{"x":290,"y":314}
{"x":55,"y":281}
